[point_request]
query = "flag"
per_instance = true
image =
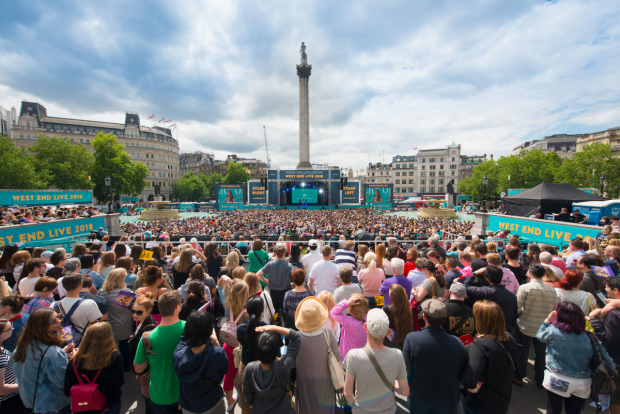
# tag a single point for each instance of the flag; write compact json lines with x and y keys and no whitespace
{"x":167,"y":121}
{"x":152,"y":116}
{"x":362,"y":170}
{"x":161,"y":120}
{"x":173,"y":125}
{"x":415,"y":148}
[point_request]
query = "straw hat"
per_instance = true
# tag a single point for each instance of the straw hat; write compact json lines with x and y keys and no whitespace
{"x":311,"y":314}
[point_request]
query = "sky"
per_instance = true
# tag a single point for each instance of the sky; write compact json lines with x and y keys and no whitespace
{"x":387,"y":77}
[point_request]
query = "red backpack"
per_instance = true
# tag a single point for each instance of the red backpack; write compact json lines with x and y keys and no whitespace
{"x":86,"y":396}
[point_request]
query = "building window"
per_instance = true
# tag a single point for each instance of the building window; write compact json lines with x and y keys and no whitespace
{"x":423,"y":174}
{"x":410,"y":181}
{"x":410,"y":173}
{"x":432,"y":190}
{"x":397,"y":181}
{"x":398,"y":174}
{"x":88,"y":141}
{"x":453,"y":167}
{"x":431,"y":167}
{"x":423,"y":167}
{"x":411,"y":189}
{"x":441,"y":173}
{"x":432,"y":160}
{"x":81,"y":141}
{"x":138,"y":154}
{"x":423,"y":160}
{"x":410,"y":165}
{"x":452,"y":159}
{"x":133,"y":155}
{"x":397,"y":165}
{"x":452,"y":173}
{"x":441,"y":167}
{"x":432,"y":174}
{"x":422,"y":182}
{"x":28,"y":137}
{"x":441,"y":182}
{"x":431,"y":182}
{"x":21,"y":136}
{"x":422,"y":189}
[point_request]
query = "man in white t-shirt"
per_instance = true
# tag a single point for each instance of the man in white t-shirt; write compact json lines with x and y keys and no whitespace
{"x":325,"y":275}
{"x":311,"y":258}
{"x":69,"y":266}
{"x":545,"y":259}
{"x":87,"y":311}
{"x":34,"y":268}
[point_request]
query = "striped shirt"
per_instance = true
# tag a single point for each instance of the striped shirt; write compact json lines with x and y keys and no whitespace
{"x":535,"y":301}
{"x":345,"y":257}
{"x":37,"y":302}
{"x":9,"y":375}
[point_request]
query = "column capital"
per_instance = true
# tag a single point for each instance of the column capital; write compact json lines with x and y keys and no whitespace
{"x":304,"y":71}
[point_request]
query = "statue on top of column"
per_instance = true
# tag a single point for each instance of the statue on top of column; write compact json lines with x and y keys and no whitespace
{"x":302,"y":51}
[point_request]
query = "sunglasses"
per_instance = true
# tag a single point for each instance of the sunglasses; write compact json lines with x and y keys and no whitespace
{"x":135,"y":312}
{"x":54,"y":320}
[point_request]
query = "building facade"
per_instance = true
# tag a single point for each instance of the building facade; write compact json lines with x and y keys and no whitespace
{"x":152,"y":146}
{"x":610,"y":137}
{"x":6,"y":121}
{"x":258,"y":169}
{"x":564,"y":145}
{"x":468,"y":162}
{"x":194,"y":161}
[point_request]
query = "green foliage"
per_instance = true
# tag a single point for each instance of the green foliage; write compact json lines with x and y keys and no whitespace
{"x":189,"y":188}
{"x":577,"y":170}
{"x":17,"y":169}
{"x":64,"y":164}
{"x":210,"y":181}
{"x":109,"y":159}
{"x":473,"y":185}
{"x":236,"y":174}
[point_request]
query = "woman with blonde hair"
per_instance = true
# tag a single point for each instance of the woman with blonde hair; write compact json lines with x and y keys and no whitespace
{"x":371,"y":278}
{"x":595,"y":248}
{"x":98,"y":360}
{"x":119,"y":317}
{"x":235,"y":294}
{"x":108,"y":261}
{"x":254,"y":288}
{"x":238,"y":272}
{"x":230,"y":264}
{"x":550,"y":278}
{"x":331,"y":324}
{"x":362,"y":249}
{"x":153,"y":278}
{"x":492,"y":359}
{"x":353,"y":330}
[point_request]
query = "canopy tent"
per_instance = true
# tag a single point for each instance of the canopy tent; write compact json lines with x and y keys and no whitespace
{"x":546,"y":198}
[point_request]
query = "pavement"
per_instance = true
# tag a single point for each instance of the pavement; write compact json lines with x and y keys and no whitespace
{"x":526,"y":400}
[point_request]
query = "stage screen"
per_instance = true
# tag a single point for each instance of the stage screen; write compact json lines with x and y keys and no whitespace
{"x":229,"y":193}
{"x":308,"y":195}
{"x":378,"y":193}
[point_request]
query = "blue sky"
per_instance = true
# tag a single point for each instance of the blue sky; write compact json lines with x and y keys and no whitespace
{"x":387,"y":76}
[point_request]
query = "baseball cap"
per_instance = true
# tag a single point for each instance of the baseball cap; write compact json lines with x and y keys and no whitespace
{"x":458,"y":288}
{"x":434,"y":308}
{"x":377,"y":323}
{"x":312,"y":242}
{"x":72,"y":264}
{"x":47,"y":253}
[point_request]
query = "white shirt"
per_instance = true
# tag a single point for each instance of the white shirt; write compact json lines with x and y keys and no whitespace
{"x":558,"y":272}
{"x":325,"y":275}
{"x":26,"y":285}
{"x":85,"y":314}
{"x":310,"y":259}
{"x":151,"y":244}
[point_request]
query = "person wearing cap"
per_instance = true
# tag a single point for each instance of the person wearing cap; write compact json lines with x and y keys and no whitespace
{"x":376,"y":370}
{"x":70,"y":266}
{"x":429,"y":352}
{"x":497,"y":293}
{"x":311,"y":257}
{"x":314,"y":392}
{"x":47,"y":255}
{"x":460,"y":320}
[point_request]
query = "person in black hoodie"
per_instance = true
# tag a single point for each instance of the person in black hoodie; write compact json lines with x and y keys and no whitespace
{"x":267,"y":382}
{"x":200,"y":364}
{"x":98,"y":357}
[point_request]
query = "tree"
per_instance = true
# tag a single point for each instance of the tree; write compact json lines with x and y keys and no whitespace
{"x":110,"y":160}
{"x":210,"y":181}
{"x":17,"y":169}
{"x":189,"y":188}
{"x":236,"y":174}
{"x":64,"y":164}
{"x":473,"y":185}
{"x":528,"y":169}
{"x":577,"y":170}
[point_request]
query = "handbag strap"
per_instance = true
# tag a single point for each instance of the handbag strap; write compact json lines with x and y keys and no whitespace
{"x":458,"y":326}
{"x":238,"y":316}
{"x":259,"y":260}
{"x":85,"y":376}
{"x":375,"y":364}
{"x":588,"y":306}
{"x":36,"y":384}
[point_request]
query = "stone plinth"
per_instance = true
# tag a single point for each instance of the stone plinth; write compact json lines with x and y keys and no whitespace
{"x":434,"y":211}
{"x":160,"y":213}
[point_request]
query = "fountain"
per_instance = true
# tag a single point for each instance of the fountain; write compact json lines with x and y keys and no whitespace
{"x":435,"y":211}
{"x":160,"y":213}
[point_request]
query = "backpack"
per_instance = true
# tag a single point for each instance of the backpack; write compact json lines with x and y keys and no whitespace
{"x":78,"y":331}
{"x":604,"y":381}
{"x":228,"y":333}
{"x":86,"y":396}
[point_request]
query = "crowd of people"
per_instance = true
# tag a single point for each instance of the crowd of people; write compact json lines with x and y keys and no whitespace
{"x":309,"y":223}
{"x":305,"y":328}
{"x":16,"y":215}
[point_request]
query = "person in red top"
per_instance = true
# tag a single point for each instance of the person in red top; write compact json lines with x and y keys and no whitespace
{"x":412,"y":256}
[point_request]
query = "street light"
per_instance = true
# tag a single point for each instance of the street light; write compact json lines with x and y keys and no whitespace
{"x":108,"y":183}
{"x":603,"y":182}
{"x":485,"y":183}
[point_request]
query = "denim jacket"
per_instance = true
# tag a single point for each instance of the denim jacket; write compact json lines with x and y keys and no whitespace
{"x":568,"y":354}
{"x":50,"y":392}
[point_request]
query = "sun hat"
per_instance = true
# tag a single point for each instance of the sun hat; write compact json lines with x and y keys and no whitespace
{"x":377,"y":323}
{"x":311,"y":314}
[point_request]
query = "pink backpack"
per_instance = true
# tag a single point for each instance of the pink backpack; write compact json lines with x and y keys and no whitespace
{"x":86,"y":396}
{"x":228,"y":333}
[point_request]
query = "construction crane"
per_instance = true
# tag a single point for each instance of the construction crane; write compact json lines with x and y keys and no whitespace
{"x":267,"y":148}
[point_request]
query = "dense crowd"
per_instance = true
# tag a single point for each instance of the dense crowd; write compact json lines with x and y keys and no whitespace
{"x":347,"y":222}
{"x":317,"y":330}
{"x":20,"y":215}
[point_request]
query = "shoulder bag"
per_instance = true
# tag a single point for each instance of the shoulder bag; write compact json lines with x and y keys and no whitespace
{"x":228,"y":333}
{"x":375,"y":364}
{"x":335,"y":367}
{"x":86,"y":396}
{"x":604,"y":381}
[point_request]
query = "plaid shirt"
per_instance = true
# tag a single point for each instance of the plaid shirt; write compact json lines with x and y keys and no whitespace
{"x":37,"y":302}
{"x":535,"y":301}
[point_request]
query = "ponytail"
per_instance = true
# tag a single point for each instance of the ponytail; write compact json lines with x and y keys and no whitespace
{"x":254,"y":308}
{"x":372,"y":266}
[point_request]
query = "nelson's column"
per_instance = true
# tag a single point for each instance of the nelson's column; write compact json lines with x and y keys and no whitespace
{"x":303,"y":71}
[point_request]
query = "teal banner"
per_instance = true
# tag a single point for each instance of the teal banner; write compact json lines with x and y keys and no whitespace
{"x":127,"y":199}
{"x":555,"y":233}
{"x":44,"y":198}
{"x":381,"y":206}
{"x":49,"y":231}
{"x":230,"y":206}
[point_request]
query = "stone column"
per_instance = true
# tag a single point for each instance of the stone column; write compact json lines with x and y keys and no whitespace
{"x":303,"y":71}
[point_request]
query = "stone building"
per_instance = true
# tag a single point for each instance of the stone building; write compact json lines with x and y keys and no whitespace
{"x":194,"y":161}
{"x":610,"y":137}
{"x":258,"y":169}
{"x":152,"y":146}
{"x":563,"y":144}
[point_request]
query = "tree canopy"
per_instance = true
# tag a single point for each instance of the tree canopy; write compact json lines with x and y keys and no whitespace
{"x":17,"y":169}
{"x":189,"y":188}
{"x":236,"y":174}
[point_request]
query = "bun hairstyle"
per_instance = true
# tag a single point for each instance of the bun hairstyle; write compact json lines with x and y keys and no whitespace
{"x":254,"y":308}
{"x":145,"y":300}
{"x":14,"y":302}
{"x":195,"y":290}
{"x":152,"y":274}
{"x":430,"y":266}
{"x":572,"y":278}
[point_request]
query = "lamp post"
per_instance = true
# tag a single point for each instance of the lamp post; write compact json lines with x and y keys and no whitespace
{"x":485,"y":184}
{"x":603,"y":181}
{"x":108,"y":183}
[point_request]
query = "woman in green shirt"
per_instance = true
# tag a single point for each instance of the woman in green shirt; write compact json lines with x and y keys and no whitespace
{"x":258,"y":258}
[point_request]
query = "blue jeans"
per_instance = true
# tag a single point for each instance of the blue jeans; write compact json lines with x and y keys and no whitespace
{"x":416,"y":408}
{"x":165,"y":409}
{"x":63,"y":410}
{"x":466,"y":410}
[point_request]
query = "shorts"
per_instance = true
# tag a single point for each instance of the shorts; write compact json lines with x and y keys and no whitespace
{"x":565,"y":386}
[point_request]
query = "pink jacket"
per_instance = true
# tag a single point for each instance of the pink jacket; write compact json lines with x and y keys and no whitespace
{"x":353,"y":334}
{"x":509,"y":280}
